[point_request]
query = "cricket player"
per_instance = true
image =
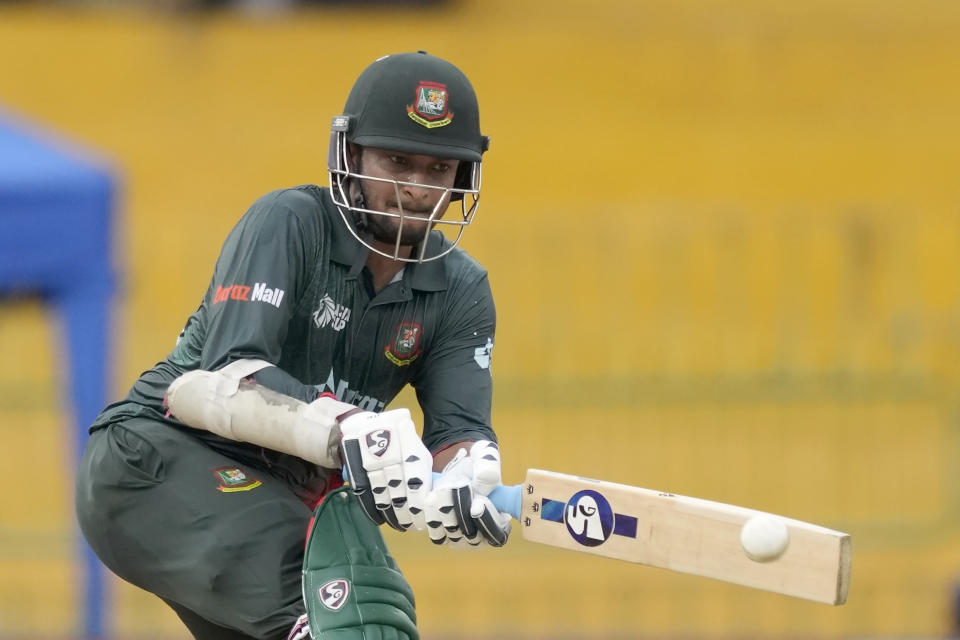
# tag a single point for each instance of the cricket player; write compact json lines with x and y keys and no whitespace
{"x":201,"y":484}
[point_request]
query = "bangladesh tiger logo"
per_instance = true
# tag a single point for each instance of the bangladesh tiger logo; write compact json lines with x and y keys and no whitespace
{"x":405,"y":347}
{"x":232,"y":480}
{"x":431,"y":105}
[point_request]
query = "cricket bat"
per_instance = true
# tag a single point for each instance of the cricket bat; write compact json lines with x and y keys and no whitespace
{"x":633,"y":524}
{"x":690,"y":535}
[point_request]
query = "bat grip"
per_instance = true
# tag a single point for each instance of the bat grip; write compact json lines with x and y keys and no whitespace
{"x":506,"y":498}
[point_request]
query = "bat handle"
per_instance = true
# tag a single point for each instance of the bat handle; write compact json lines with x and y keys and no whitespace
{"x":506,"y":498}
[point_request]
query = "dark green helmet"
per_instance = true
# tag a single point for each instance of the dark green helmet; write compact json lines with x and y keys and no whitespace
{"x":413,"y":103}
{"x":416,"y":103}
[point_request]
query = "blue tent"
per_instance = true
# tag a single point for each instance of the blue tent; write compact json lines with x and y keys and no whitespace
{"x":57,"y":209}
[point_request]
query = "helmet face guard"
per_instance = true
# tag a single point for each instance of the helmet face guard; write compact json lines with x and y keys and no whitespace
{"x":412,"y":103}
{"x":345,"y":183}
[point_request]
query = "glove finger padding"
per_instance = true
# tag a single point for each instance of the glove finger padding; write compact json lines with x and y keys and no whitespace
{"x":493,"y":525}
{"x":458,"y":507}
{"x":485,"y":456}
{"x":443,"y":525}
{"x":475,"y":513}
{"x":352,"y":587}
{"x":388,"y":465}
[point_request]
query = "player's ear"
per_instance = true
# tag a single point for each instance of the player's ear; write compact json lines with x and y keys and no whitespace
{"x":354,"y":153}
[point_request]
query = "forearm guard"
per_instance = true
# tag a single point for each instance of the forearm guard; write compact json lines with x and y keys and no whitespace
{"x":225,"y":403}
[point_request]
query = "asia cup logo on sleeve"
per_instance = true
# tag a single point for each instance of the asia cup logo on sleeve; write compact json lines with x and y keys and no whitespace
{"x":333,"y":594}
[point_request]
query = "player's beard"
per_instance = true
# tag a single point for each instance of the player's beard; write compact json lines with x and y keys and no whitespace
{"x":384,"y":228}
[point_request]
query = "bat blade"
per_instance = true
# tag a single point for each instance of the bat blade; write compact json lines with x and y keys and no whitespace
{"x":679,"y":533}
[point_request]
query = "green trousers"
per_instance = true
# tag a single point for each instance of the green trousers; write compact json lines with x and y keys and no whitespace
{"x":222,"y":543}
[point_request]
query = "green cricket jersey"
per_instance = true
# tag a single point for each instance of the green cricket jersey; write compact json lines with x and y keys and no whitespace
{"x":290,"y":287}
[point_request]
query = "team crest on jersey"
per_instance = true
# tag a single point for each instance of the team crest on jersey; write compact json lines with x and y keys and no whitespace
{"x":405,"y":347}
{"x":431,"y":106}
{"x":232,"y":480}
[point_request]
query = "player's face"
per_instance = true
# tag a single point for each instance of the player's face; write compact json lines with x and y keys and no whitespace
{"x":416,"y":203}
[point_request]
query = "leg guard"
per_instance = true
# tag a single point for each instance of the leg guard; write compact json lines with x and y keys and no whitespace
{"x":352,"y":587}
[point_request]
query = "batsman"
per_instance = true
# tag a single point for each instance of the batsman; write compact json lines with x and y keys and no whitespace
{"x":217,"y":482}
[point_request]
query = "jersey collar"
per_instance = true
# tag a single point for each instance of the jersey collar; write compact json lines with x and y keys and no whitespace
{"x":344,"y":247}
{"x":430,"y":276}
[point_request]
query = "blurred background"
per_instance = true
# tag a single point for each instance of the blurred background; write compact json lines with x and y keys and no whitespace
{"x":723,"y":236}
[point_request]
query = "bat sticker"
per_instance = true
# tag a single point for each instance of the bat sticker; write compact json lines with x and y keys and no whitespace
{"x":589,"y":518}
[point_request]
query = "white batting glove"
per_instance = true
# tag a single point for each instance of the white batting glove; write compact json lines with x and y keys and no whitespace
{"x":389,"y":467}
{"x":458,"y":509}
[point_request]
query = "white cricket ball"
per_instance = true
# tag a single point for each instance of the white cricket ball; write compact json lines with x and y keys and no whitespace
{"x":764,"y":538}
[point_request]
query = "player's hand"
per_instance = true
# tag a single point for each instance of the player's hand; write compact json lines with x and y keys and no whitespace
{"x":458,"y":509}
{"x":389,"y":467}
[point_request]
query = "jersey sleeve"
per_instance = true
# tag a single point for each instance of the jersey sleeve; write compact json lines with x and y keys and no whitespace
{"x":454,"y":386}
{"x":261,"y":272}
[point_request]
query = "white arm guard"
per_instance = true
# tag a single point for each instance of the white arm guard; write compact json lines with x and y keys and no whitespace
{"x":222,"y":402}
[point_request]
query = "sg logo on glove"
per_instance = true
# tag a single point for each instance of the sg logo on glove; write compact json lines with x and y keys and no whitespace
{"x":378,"y":442}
